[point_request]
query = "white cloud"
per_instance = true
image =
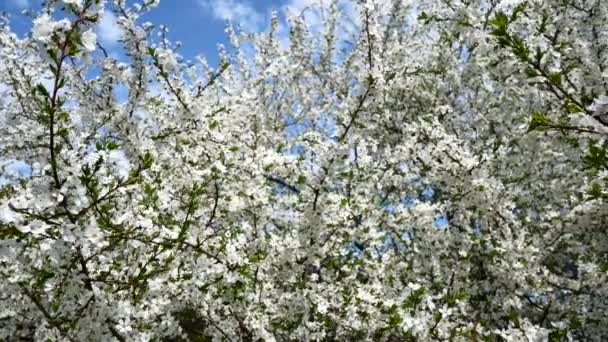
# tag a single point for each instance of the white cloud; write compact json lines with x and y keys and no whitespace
{"x":310,"y":10}
{"x":313,"y":12}
{"x":21,"y":3}
{"x":108,"y":30}
{"x":297,"y":6}
{"x":238,"y":12}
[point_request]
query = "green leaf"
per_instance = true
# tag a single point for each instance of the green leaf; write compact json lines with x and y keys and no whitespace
{"x":543,"y":24}
{"x":394,"y":319}
{"x":539,"y":122}
{"x":517,"y":10}
{"x":42,"y":276}
{"x":586,"y":100}
{"x":53,"y":55}
{"x":424,"y":17}
{"x":112,"y":145}
{"x":73,"y":50}
{"x":572,"y":108}
{"x":556,"y":78}
{"x":596,"y":157}
{"x":437,"y":316}
{"x":61,"y":83}
{"x":92,"y":18}
{"x":558,"y":335}
{"x":74,"y":42}
{"x":453,"y":298}
{"x":514,"y":316}
{"x":499,"y":22}
{"x":108,"y":144}
{"x":414,"y":299}
{"x":147,"y":160}
{"x":63,"y":132}
{"x":519,"y":48}
{"x":149,"y":189}
{"x":213,"y":124}
{"x":531,"y":72}
{"x":257,"y":257}
{"x":596,"y":191}
{"x":40,"y":89}
{"x":539,"y":55}
{"x":74,"y":9}
{"x":301,"y":179}
{"x":62,"y":116}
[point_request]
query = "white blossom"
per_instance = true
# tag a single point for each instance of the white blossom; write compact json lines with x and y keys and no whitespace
{"x":381,"y":170}
{"x":89,"y":40}
{"x":76,"y":3}
{"x":44,"y":27}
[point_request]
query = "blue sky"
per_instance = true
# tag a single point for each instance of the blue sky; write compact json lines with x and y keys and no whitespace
{"x":198,"y":24}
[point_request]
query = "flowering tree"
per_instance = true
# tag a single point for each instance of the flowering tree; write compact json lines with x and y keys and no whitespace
{"x":294,"y":192}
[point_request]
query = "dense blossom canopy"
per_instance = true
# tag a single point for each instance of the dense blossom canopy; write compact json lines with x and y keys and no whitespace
{"x":398,"y":170}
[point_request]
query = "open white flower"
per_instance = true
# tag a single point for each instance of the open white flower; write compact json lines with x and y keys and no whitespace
{"x":43,"y":28}
{"x":89,"y":40}
{"x":77,"y":3}
{"x":600,"y":105}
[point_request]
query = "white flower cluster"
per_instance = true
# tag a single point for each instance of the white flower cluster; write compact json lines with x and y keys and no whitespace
{"x":425,"y":171}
